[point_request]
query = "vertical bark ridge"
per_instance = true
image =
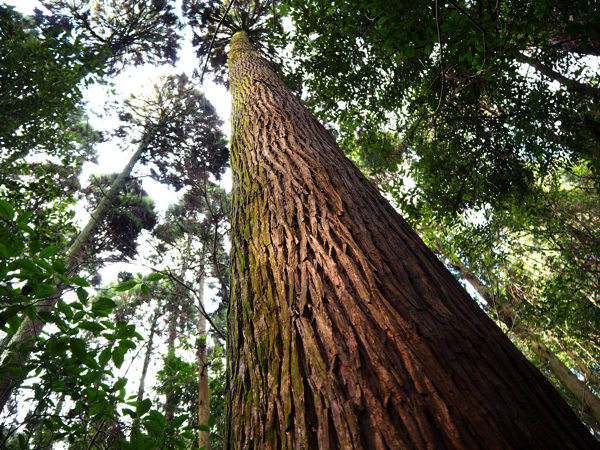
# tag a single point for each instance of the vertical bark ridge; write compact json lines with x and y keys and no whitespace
{"x":345,"y":331}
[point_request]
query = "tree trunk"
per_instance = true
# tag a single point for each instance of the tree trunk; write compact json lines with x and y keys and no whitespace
{"x":506,"y":313}
{"x":569,"y":83}
{"x":148,"y":356}
{"x":345,"y":331}
{"x":579,"y":363}
{"x":203,"y":397}
{"x":169,"y":400}
{"x":29,"y":329}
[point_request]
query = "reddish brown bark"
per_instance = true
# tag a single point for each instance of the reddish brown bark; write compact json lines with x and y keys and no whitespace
{"x":589,"y":402}
{"x":345,"y":330}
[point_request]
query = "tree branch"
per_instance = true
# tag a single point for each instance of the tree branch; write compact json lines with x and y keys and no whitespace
{"x":573,"y":85}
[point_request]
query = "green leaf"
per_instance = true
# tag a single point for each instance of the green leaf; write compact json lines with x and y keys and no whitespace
{"x":125,"y":343}
{"x":78,"y":348}
{"x":34,"y":247}
{"x":27,"y":266}
{"x":59,"y":266}
{"x":44,"y":290}
{"x":77,"y":280}
{"x":82,"y":295}
{"x":212,"y":420}
{"x":155,"y":276}
{"x":126,"y":286}
{"x":143,"y":407}
{"x":94,"y":327}
{"x":27,"y":229}
{"x":178,"y":421}
{"x":30,"y":313}
{"x":6,"y":210}
{"x":573,"y":28}
{"x":120,"y":384}
{"x":14,"y":323}
{"x":203,"y":428}
{"x":118,"y":356}
{"x":145,"y":289}
{"x":49,"y":251}
{"x":103,"y":306}
{"x":158,"y":416}
{"x":154,"y":428}
{"x":98,"y":406}
{"x":24,"y":218}
{"x":129,"y":412}
{"x":108,"y":324}
{"x":64,"y":308}
{"x":104,"y":357}
{"x":14,"y":249}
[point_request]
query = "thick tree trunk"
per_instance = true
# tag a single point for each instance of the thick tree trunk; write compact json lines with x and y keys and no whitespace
{"x":148,"y":356}
{"x":345,"y":331}
{"x":30,"y":329}
{"x":203,"y":397}
{"x":589,"y":402}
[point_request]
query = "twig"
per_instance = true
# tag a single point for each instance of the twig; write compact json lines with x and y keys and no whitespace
{"x":212,"y":42}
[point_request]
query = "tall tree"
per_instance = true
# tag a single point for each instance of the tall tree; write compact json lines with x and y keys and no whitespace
{"x":478,"y":119}
{"x":121,"y":32}
{"x":344,"y":329}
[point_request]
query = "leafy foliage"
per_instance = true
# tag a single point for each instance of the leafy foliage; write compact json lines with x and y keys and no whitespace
{"x":132,"y":212}
{"x":258,"y":19}
{"x":123,"y":32}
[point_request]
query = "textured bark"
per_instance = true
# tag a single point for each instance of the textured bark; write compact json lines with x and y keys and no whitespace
{"x":203,"y":397}
{"x":30,"y":329}
{"x":345,"y":331}
{"x":148,"y":356}
{"x":506,"y":313}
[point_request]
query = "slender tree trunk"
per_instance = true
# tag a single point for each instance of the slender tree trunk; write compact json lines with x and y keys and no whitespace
{"x":345,"y":331}
{"x":579,"y":363}
{"x":203,"y":397}
{"x":170,"y":403}
{"x":6,"y":340}
{"x":29,"y":329}
{"x":169,"y":400}
{"x":506,"y":313}
{"x":574,"y":85}
{"x":148,"y":355}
